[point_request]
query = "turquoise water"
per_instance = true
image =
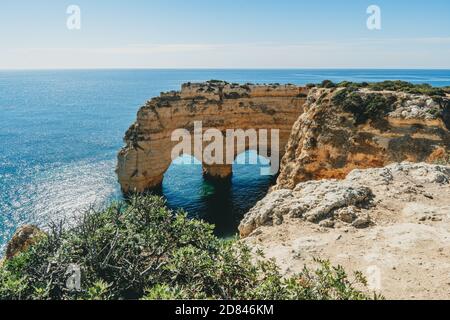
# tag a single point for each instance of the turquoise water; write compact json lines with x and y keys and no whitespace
{"x":60,"y":132}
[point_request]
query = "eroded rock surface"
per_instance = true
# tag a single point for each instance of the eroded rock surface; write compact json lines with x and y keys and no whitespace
{"x":342,"y":130}
{"x":23,"y":238}
{"x":391,"y":223}
{"x":313,"y":201}
{"x":218,"y":105}
{"x":324,"y":132}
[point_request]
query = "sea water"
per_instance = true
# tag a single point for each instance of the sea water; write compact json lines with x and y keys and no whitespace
{"x":60,"y":132}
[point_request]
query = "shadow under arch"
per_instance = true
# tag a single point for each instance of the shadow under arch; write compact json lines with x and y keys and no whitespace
{"x":221,"y":202}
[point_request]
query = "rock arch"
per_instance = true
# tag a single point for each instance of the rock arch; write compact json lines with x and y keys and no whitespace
{"x":146,"y":155}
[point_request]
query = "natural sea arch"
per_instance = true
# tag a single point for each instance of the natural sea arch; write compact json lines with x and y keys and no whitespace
{"x":218,"y":105}
{"x":219,"y":202}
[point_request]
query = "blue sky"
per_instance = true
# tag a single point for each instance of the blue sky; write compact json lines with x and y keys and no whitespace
{"x":225,"y":34}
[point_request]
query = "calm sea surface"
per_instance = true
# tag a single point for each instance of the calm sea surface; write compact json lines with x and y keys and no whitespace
{"x":60,"y":132}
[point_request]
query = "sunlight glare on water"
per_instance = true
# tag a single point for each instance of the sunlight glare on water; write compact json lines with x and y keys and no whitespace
{"x":60,"y":132}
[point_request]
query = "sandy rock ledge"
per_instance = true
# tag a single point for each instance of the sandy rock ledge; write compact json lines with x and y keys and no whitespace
{"x":391,"y":223}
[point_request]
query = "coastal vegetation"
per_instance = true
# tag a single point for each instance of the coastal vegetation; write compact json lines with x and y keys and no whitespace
{"x":372,"y":106}
{"x":389,"y":85}
{"x":374,"y":101}
{"x":139,"y":249}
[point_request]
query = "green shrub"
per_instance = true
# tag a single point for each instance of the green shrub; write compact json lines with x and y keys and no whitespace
{"x":142,"y":250}
{"x":327,"y":84}
{"x":389,"y":85}
{"x":407,"y":87}
{"x":364,"y":107}
{"x":352,"y":85}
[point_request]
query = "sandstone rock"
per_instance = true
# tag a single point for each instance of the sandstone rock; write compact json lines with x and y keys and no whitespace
{"x":347,"y":214}
{"x":219,"y":105}
{"x":362,"y":222}
{"x":22,"y":239}
{"x":319,"y":137}
{"x":412,"y":128}
{"x":313,"y":201}
{"x":327,"y":223}
{"x":265,"y":212}
{"x":410,"y":107}
{"x":412,"y":173}
{"x":346,"y":200}
{"x":406,"y":242}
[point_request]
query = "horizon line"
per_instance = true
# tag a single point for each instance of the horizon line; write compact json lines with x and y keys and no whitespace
{"x":226,"y":68}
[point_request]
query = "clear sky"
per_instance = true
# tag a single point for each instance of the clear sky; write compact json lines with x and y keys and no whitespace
{"x":224,"y":34}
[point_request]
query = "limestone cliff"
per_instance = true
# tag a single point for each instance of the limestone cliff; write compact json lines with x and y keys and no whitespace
{"x":324,"y":132}
{"x":219,"y":105}
{"x":392,"y":223}
{"x":342,"y":129}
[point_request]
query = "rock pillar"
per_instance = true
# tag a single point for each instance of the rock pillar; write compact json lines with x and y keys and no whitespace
{"x":217,"y":171}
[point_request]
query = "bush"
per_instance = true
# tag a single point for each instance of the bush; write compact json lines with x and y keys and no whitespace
{"x":352,"y":85}
{"x":327,"y":84}
{"x":389,"y":85}
{"x":407,"y":87}
{"x":364,"y":107}
{"x":142,"y":250}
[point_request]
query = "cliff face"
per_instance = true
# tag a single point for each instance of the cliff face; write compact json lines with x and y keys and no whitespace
{"x":324,"y":133}
{"x":391,"y":223}
{"x":341,"y":130}
{"x":219,"y":105}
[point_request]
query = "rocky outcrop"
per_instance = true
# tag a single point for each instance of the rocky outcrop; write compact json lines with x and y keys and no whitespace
{"x":22,"y":239}
{"x":342,"y":129}
{"x":313,"y":201}
{"x":391,"y":223}
{"x":324,"y":132}
{"x":331,"y":203}
{"x":219,"y":105}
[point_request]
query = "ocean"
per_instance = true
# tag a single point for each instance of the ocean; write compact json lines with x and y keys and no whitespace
{"x":60,"y":132}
